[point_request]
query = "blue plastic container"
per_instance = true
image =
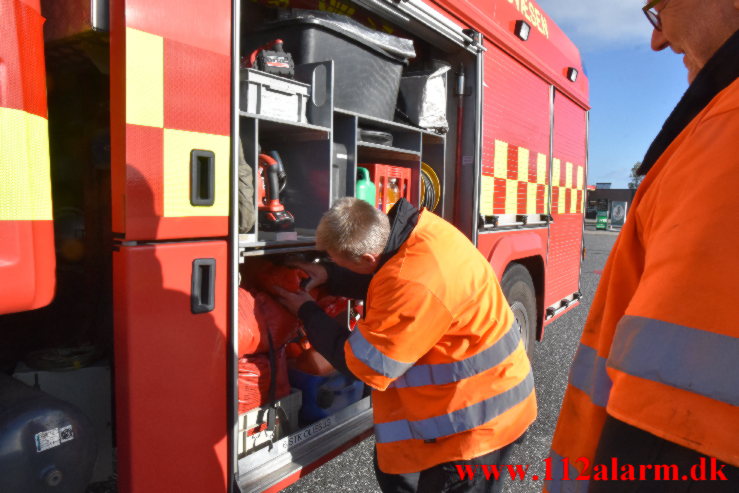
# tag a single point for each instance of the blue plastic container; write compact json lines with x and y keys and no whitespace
{"x":323,"y":396}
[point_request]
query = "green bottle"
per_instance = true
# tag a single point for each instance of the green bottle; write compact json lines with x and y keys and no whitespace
{"x":365,"y":187}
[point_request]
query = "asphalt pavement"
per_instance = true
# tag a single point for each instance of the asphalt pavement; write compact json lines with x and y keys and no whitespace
{"x":352,"y":471}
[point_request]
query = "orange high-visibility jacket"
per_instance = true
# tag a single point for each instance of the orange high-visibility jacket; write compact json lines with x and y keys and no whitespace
{"x":441,"y":347}
{"x":660,"y":348}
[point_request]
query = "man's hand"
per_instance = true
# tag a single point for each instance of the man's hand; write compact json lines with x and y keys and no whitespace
{"x":317,"y":273}
{"x":292,"y":301}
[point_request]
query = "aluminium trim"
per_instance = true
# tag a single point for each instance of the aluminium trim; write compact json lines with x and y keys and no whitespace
{"x":479,"y":107}
{"x":232,"y":389}
{"x":268,"y":466}
{"x":583,"y":206}
{"x":550,"y":164}
{"x":409,"y":11}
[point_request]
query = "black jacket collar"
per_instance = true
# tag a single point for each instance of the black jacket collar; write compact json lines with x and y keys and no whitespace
{"x":403,"y":219}
{"x":720,"y":71}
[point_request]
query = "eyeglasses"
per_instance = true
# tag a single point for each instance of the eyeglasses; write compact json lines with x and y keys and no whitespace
{"x":652,"y":14}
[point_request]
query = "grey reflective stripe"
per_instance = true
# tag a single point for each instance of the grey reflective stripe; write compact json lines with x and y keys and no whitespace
{"x":458,"y":421}
{"x":440,"y":374}
{"x":560,"y":485}
{"x":588,"y":373}
{"x":372,"y":357}
{"x":690,"y":359}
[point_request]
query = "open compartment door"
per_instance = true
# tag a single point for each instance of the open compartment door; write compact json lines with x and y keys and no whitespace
{"x":27,"y":262}
{"x":170,"y":118}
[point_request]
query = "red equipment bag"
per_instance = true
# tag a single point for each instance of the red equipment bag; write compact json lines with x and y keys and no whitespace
{"x":255,"y":376}
{"x":259,"y":315}
{"x":264,"y":276}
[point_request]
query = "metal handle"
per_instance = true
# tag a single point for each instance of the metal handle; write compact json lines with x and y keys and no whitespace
{"x":202,"y":177}
{"x":203,"y":296}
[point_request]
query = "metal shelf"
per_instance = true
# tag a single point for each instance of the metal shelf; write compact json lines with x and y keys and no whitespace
{"x":275,"y":127}
{"x":385,"y":124}
{"x":249,"y":246}
{"x":381,"y":153}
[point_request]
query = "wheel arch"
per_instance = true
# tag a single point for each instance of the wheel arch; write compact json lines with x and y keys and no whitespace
{"x":529,"y":250}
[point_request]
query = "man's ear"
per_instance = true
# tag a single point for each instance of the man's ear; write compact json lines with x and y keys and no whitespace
{"x":373,"y":258}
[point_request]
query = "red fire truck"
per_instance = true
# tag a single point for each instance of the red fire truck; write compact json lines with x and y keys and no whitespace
{"x":122,"y":127}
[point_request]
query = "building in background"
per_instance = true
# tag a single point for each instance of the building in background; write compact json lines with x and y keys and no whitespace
{"x":601,"y":197}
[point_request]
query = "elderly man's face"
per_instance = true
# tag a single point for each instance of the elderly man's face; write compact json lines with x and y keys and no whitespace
{"x":695,"y":29}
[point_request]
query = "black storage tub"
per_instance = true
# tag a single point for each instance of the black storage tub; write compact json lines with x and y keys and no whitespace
{"x":367,"y":78}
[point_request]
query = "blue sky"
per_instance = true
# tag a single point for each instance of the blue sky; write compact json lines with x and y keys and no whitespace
{"x":632,"y":88}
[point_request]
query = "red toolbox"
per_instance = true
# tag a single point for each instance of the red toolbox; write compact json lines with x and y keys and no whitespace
{"x":391,"y":183}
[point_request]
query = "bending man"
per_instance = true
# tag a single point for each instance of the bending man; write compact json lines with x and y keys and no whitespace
{"x":438,"y":343}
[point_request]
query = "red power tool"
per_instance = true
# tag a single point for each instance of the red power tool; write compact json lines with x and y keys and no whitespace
{"x":272,"y":214}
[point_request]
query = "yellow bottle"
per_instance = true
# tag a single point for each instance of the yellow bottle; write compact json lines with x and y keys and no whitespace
{"x":393,"y":193}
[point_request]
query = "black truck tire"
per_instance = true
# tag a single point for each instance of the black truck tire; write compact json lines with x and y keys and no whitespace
{"x":518,"y":289}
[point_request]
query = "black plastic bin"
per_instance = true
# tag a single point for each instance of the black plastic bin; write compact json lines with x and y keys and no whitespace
{"x":366,"y":77}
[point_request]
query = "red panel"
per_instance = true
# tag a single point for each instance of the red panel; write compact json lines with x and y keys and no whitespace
{"x":516,"y":107}
{"x":197,"y":89}
{"x":548,"y":54}
{"x":504,"y":247}
{"x":516,"y":111}
{"x":523,"y":197}
{"x":555,"y":200}
{"x":563,"y":267}
{"x":170,"y":371}
{"x":533,"y":157}
{"x":499,"y":196}
{"x":144,"y":190}
{"x":27,"y":263}
{"x":569,"y":134}
{"x":512,"y":162}
{"x":22,"y":57}
{"x":206,"y":25}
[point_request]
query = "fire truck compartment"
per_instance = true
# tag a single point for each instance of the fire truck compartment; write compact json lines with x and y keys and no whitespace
{"x":353,"y":92}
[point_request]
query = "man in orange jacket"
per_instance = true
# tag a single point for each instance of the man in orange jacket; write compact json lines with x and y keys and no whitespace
{"x":438,"y":344}
{"x":653,"y":391}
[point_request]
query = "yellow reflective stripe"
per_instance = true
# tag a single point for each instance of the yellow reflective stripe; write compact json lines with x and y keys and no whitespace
{"x":541,"y":169}
{"x":568,"y":174}
{"x":486,"y":195}
{"x":25,"y":181}
{"x":178,"y":145}
{"x":574,"y":180}
{"x":144,"y":78}
{"x":573,"y":200}
{"x":531,"y":199}
{"x":523,"y":164}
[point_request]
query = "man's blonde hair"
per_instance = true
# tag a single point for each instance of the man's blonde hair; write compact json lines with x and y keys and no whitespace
{"x":353,"y":227}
